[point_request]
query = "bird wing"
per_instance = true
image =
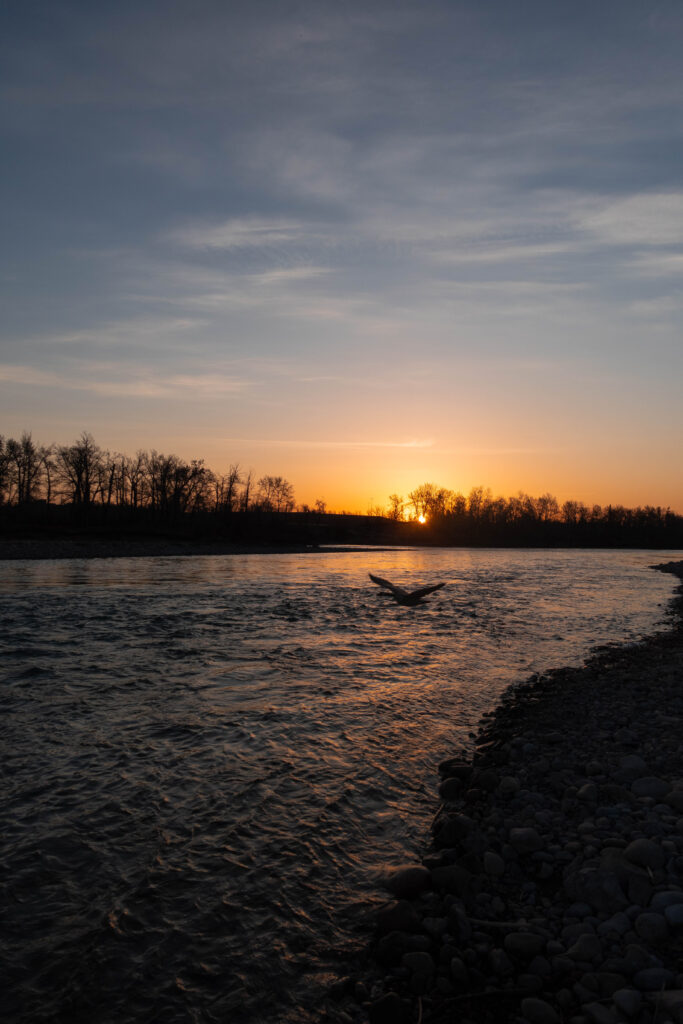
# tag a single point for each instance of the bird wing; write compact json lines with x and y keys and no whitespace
{"x":426,"y":590}
{"x":389,"y":586}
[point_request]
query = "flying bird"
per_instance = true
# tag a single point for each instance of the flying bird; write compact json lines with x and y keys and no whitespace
{"x":409,"y":597}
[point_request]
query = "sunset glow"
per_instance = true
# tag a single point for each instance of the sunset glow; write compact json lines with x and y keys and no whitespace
{"x":359,"y":247}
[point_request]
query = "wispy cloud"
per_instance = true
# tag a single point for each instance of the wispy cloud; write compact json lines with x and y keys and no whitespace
{"x":115,"y":381}
{"x":275,"y":442}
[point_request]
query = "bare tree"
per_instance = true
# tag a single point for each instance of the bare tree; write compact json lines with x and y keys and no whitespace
{"x":275,"y":493}
{"x":320,"y":506}
{"x":24,"y":468}
{"x":79,"y":465}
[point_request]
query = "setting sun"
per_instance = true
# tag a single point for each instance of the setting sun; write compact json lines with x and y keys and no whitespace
{"x":422,"y":519}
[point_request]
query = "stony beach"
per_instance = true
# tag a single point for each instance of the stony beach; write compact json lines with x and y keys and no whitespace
{"x":553,"y":888}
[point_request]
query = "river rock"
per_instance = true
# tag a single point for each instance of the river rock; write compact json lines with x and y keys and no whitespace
{"x":652,"y":979}
{"x":525,"y":840}
{"x":632,"y":767}
{"x":398,"y":917}
{"x":628,"y":1000}
{"x":587,"y":948}
{"x":674,"y":916}
{"x":451,"y":878}
{"x":645,"y":853}
{"x":389,"y":1009}
{"x":509,"y":785}
{"x":537,"y":1011}
{"x":450,"y":789}
{"x":651,"y":928}
{"x":409,"y":880}
{"x":453,"y":828}
{"x":523,"y":945}
{"x":668,"y":898}
{"x":493,"y":864}
{"x":650,"y":786}
{"x":418,"y":963}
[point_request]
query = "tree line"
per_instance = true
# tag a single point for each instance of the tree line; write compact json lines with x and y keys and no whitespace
{"x":83,"y":485}
{"x":84,"y":476}
{"x":480,"y":518}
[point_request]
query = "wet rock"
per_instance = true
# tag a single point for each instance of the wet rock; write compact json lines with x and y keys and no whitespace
{"x":389,"y":1009}
{"x":597,"y":1013}
{"x":652,"y":979}
{"x":645,"y":853}
{"x":587,"y":948}
{"x":450,"y":789}
{"x":399,"y":917}
{"x":650,"y":786}
{"x":391,"y":947}
{"x":493,"y":864}
{"x":523,"y":945}
{"x":509,"y":785}
{"x":632,"y":767}
{"x":418,"y":963}
{"x":459,"y":972}
{"x":451,"y":878}
{"x":628,"y":1001}
{"x":525,"y":840}
{"x":651,"y":928}
{"x":453,"y":828}
{"x":588,"y":793}
{"x":408,"y":880}
{"x":537,"y":1011}
{"x":668,"y":898}
{"x":456,"y":768}
{"x":674,"y":916}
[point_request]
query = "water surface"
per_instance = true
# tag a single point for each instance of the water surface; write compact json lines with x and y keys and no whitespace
{"x":207,"y":760}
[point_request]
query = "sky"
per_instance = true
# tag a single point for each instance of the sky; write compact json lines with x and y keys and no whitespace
{"x":359,"y":245}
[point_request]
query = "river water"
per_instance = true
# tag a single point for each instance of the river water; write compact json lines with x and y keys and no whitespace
{"x":206,"y":762}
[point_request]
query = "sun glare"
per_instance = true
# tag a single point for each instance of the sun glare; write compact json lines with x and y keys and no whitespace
{"x":422,"y":519}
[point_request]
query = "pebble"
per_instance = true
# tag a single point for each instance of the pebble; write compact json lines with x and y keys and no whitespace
{"x":408,"y":880}
{"x":525,"y":840}
{"x":537,"y":1011}
{"x":628,"y":1000}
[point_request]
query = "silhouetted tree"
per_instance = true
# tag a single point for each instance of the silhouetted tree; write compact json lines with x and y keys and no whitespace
{"x":78,"y":465}
{"x":275,"y":493}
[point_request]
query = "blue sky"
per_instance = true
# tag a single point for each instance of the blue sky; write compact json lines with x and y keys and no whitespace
{"x":360,"y":245}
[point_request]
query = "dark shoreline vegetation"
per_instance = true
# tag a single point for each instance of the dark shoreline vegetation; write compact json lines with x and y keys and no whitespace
{"x":553,"y":887}
{"x":96,"y":503}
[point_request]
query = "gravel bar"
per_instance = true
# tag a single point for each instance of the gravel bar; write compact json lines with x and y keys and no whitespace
{"x":553,"y":888}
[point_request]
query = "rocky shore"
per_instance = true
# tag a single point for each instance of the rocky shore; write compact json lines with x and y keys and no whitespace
{"x":553,"y":890}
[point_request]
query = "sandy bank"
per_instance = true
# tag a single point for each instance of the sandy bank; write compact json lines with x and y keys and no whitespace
{"x":553,"y":890}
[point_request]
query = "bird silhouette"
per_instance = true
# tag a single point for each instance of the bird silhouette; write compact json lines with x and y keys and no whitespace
{"x":407,"y":597}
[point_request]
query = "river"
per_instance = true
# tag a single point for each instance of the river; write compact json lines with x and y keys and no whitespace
{"x":207,"y":762}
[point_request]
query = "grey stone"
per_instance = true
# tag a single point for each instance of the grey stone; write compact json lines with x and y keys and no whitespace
{"x":389,"y":1009}
{"x":454,"y":827}
{"x":598,"y":1013}
{"x":398,"y":917}
{"x":523,"y":945}
{"x":408,"y":880}
{"x":493,"y":864}
{"x":537,"y":1011}
{"x":500,"y":962}
{"x":588,"y":793}
{"x":418,"y":963}
{"x":587,"y":948}
{"x":632,"y":767}
{"x":459,"y":972}
{"x":450,"y":789}
{"x":391,"y":948}
{"x":617,"y":924}
{"x":645,"y":853}
{"x":628,"y":1000}
{"x":451,"y":878}
{"x":525,"y":840}
{"x":529,"y":983}
{"x":674,"y":916}
{"x":652,"y":979}
{"x":650,"y":786}
{"x":509,"y":785}
{"x":541,"y":967}
{"x":669,"y":898}
{"x":651,"y":928}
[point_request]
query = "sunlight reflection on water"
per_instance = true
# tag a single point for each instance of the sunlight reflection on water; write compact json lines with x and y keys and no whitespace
{"x":208,"y":759}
